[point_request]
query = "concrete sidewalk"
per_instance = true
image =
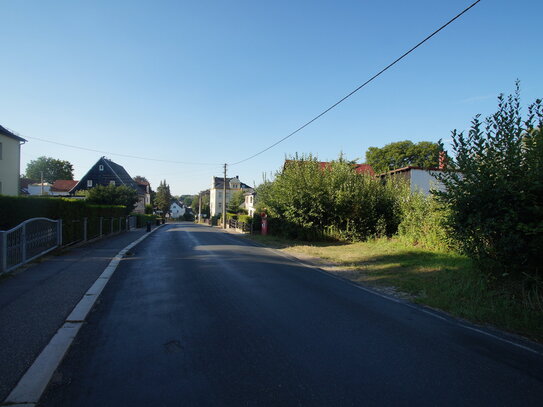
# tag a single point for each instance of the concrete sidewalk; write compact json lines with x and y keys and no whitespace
{"x":35,"y":301}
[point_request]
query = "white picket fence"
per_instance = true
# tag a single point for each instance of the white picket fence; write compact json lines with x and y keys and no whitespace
{"x":31,"y":239}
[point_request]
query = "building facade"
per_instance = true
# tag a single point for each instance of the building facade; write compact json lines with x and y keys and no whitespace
{"x":10,"y":162}
{"x":216,"y":192}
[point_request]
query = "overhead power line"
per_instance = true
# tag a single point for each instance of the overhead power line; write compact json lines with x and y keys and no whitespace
{"x":119,"y":154}
{"x":360,"y":87}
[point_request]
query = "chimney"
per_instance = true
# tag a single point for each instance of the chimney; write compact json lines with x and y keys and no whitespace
{"x":442,"y":160}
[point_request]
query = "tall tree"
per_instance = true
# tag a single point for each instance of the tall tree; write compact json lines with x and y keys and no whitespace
{"x":402,"y":154}
{"x":52,"y":169}
{"x":163,"y":198}
{"x":140,"y":178}
{"x":236,"y":200}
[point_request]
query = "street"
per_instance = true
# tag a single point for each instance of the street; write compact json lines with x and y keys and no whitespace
{"x":198,"y":317}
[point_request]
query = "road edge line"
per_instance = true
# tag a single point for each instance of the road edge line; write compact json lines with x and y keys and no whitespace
{"x":33,"y":383}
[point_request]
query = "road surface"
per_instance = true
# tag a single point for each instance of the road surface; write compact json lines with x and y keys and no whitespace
{"x":199,"y":317}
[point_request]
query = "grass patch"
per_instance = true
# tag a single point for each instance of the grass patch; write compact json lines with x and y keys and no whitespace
{"x":442,"y":280}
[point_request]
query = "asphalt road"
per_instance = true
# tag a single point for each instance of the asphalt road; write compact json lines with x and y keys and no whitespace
{"x":35,"y":301}
{"x":198,"y":317}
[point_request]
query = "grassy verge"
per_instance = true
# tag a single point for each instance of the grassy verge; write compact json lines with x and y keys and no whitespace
{"x":442,"y":280}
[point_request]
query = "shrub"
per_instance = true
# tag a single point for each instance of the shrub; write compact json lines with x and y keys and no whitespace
{"x":424,"y":222}
{"x":496,"y":199}
{"x":309,"y":202}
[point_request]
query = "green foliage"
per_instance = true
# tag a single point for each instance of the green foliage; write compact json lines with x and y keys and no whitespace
{"x":113,"y":195}
{"x":309,"y":202}
{"x":236,"y":200}
{"x":14,"y":210}
{"x":141,"y":220}
{"x":163,"y":198}
{"x":424,"y":223}
{"x":205,"y":204}
{"x":496,"y":198}
{"x":148,"y":209}
{"x":52,"y":169}
{"x":188,"y":199}
{"x":402,"y":154}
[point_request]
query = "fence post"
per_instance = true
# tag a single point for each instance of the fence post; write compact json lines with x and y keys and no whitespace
{"x":59,"y":238}
{"x":120,"y":224}
{"x":112,"y":220}
{"x":127,"y":224}
{"x":101,"y":219}
{"x":23,"y":242}
{"x":85,"y":220}
{"x":3,"y":251}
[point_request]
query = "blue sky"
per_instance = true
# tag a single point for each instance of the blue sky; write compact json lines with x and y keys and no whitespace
{"x":217,"y":81}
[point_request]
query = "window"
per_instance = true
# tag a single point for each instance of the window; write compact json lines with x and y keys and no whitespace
{"x":89,"y":183}
{"x":112,"y":182}
{"x":101,"y":167}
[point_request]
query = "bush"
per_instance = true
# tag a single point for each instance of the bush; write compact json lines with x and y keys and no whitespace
{"x":496,"y":198}
{"x":141,"y":219}
{"x":309,"y":202}
{"x":14,"y":210}
{"x":424,"y":223}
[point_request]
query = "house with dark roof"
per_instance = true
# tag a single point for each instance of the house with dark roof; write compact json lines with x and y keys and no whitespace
{"x":10,"y":161}
{"x":217,"y":190}
{"x":106,"y":172}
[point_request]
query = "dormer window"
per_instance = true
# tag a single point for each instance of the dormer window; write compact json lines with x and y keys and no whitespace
{"x":112,"y":182}
{"x":89,"y":183}
{"x":101,"y":167}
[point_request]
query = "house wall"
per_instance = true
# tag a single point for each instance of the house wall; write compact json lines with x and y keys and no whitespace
{"x":424,"y":181}
{"x":177,"y":211}
{"x":10,"y":163}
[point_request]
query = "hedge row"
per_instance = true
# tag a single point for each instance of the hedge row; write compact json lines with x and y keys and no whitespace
{"x":14,"y":210}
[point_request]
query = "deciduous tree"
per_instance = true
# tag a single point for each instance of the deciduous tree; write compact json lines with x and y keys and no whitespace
{"x":402,"y":154}
{"x":52,"y":169}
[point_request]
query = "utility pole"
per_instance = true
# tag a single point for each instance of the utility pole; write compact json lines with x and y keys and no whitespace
{"x":224,"y":200}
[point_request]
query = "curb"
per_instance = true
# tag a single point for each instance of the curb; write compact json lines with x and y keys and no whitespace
{"x":31,"y":386}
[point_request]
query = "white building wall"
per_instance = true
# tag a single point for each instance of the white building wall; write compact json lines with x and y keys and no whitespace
{"x":424,"y":181}
{"x":10,"y":162}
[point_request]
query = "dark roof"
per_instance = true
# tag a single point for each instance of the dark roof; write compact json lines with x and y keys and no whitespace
{"x":121,"y":173}
{"x":218,"y":182}
{"x":115,"y":172}
{"x":8,"y":133}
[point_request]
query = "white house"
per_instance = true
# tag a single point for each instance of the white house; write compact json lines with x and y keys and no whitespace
{"x":177,"y":209}
{"x":216,"y":192}
{"x":10,"y":162}
{"x":249,"y":203}
{"x":419,"y":179}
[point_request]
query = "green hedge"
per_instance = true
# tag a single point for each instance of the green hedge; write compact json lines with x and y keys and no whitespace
{"x":141,"y":220}
{"x":14,"y":210}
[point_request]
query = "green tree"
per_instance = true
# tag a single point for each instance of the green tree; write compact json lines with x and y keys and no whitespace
{"x":163,"y":198}
{"x":495,"y":189}
{"x":52,"y":169}
{"x":205,"y":203}
{"x":187,"y":199}
{"x":235,"y":202}
{"x":113,"y":195}
{"x":402,"y":154}
{"x":310,"y":202}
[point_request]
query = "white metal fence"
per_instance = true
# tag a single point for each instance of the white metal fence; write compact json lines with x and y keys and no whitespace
{"x":31,"y":239}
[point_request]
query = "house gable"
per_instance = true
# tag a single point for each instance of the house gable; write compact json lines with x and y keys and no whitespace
{"x":104,"y":172}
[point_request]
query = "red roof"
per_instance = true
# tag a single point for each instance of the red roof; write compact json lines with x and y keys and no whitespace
{"x":359,"y":168}
{"x":63,"y":185}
